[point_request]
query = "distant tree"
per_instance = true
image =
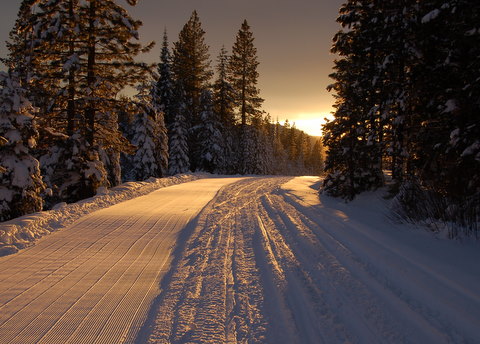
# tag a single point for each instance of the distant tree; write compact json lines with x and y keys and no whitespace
{"x":21,"y":183}
{"x":279,"y":153}
{"x":315,"y":159}
{"x":264,"y":149}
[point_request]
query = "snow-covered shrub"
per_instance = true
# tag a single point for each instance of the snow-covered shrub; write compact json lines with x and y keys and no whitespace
{"x":418,"y":204}
{"x":71,"y":170}
{"x":20,"y":180}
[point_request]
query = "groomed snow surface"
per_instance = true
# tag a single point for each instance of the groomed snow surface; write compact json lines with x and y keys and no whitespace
{"x":24,"y":231}
{"x":265,"y":261}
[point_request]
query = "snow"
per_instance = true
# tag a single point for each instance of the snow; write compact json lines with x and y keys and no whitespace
{"x":72,"y":60}
{"x":472,"y":32}
{"x":472,"y":149}
{"x":430,"y":16}
{"x":267,"y":260}
{"x":94,"y":281}
{"x":450,"y":106}
{"x":23,"y":231}
{"x":275,"y":264}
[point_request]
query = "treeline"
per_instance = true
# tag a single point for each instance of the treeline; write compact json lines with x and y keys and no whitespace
{"x":407,"y":88}
{"x":66,"y":130}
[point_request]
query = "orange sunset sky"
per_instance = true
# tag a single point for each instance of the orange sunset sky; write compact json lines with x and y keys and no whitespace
{"x":293,"y":40}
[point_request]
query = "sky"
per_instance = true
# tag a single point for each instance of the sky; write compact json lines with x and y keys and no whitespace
{"x":293,"y":40}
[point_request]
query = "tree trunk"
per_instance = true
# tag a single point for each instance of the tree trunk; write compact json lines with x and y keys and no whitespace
{"x":90,"y":110}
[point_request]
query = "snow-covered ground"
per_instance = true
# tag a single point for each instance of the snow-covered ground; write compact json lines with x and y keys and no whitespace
{"x":276,"y":264}
{"x":266,"y":261}
{"x":24,"y":231}
{"x":94,"y":281}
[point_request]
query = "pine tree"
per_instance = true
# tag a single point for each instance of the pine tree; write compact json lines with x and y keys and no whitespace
{"x":224,"y":93}
{"x":144,"y":162}
{"x":163,"y":93}
{"x":211,"y":140}
{"x":191,"y":68}
{"x":404,"y":88}
{"x":264,"y":149}
{"x":464,"y":142}
{"x":354,"y":158}
{"x":110,"y":159}
{"x":126,"y":117}
{"x":224,"y":106}
{"x":178,"y":143}
{"x":315,"y":159}
{"x":110,"y":64}
{"x":279,"y":153}
{"x":21,"y":183}
{"x":243,"y":68}
{"x":82,"y":57}
{"x":149,"y":135}
{"x":21,"y":44}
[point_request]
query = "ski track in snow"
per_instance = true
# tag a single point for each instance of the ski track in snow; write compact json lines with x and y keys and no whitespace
{"x":273,"y":264}
{"x":94,"y":282}
{"x":265,"y":261}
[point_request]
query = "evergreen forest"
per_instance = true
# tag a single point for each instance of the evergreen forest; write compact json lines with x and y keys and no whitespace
{"x":69,"y":127}
{"x":407,"y":112}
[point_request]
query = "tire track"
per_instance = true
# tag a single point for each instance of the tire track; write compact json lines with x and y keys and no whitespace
{"x":215,"y":292}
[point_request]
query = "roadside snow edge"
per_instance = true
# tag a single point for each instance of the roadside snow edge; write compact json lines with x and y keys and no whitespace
{"x":23,"y":231}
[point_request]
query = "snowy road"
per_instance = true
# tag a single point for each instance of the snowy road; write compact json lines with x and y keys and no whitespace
{"x":94,"y":281}
{"x":274,"y":264}
{"x":266,"y":261}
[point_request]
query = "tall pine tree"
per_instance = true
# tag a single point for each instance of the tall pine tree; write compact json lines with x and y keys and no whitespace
{"x":163,"y":92}
{"x":179,"y":161}
{"x":82,"y":57}
{"x":191,"y":68}
{"x":224,"y":106}
{"x":244,"y":77}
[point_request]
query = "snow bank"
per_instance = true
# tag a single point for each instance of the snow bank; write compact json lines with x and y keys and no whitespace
{"x":430,"y":16}
{"x":23,"y":231}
